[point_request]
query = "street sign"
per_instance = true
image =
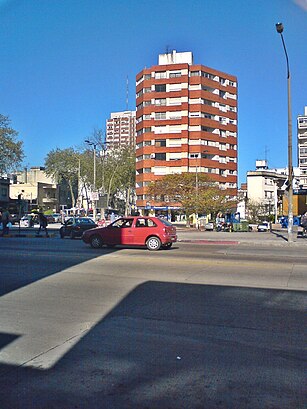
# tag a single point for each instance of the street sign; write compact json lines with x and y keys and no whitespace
{"x":94,"y":196}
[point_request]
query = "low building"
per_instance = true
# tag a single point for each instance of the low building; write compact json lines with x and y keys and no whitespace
{"x":37,"y":189}
{"x":268,"y":188}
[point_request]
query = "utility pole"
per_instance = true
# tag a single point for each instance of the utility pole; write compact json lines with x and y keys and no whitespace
{"x":280,"y":29}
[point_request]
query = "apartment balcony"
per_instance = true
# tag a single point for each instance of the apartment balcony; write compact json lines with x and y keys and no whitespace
{"x":49,"y":200}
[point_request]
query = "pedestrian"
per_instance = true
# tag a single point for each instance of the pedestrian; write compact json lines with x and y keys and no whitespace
{"x":304,"y":224}
{"x":43,"y":223}
{"x":5,"y":222}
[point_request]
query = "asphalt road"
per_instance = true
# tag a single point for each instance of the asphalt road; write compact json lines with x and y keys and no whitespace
{"x":197,"y":326}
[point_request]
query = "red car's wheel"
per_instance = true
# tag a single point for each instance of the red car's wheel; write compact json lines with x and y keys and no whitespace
{"x":153,"y":243}
{"x":96,"y":242}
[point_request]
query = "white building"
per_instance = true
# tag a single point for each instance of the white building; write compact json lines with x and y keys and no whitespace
{"x":265,"y":186}
{"x":302,"y":147}
{"x":121,"y":130}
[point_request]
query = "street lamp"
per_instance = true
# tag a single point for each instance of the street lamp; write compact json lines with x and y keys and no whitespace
{"x":280,"y":29}
{"x":94,"y":180}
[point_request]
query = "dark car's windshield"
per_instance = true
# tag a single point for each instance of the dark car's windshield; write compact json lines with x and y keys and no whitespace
{"x":83,"y":220}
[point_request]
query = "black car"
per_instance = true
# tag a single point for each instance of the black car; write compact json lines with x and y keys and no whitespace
{"x":75,"y":226}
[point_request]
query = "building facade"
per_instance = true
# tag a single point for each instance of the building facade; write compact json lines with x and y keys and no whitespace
{"x":268,"y":188}
{"x":121,"y":130}
{"x":186,"y":121}
{"x":37,"y":189}
{"x":302,"y":147}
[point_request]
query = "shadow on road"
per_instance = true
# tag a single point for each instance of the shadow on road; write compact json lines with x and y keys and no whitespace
{"x":170,"y":345}
{"x":52,"y":256}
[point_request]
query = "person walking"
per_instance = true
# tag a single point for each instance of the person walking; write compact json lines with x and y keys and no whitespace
{"x":304,"y":224}
{"x":43,"y":223}
{"x":5,"y":222}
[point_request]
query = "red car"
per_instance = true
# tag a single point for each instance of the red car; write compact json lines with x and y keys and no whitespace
{"x":152,"y":232}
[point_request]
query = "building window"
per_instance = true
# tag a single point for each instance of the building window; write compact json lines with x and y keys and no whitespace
{"x":159,"y":75}
{"x":268,"y":181}
{"x":175,"y":74}
{"x":268,"y":194}
{"x":160,"y":88}
{"x":207,"y":75}
{"x":160,"y":142}
{"x":160,"y":115}
{"x":160,"y":156}
{"x":160,"y":101}
{"x":194,"y":74}
{"x":147,"y":76}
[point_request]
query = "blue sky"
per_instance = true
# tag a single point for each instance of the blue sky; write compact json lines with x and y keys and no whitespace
{"x":64,"y":64}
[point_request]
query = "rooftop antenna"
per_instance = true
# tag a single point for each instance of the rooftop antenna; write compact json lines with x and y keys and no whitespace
{"x":266,"y":153}
{"x":127,"y":92}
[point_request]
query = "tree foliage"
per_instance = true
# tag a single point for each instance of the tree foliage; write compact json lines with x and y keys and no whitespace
{"x":11,"y":149}
{"x":255,"y":210}
{"x":63,"y":165}
{"x":196,"y":193}
{"x":114,"y":176}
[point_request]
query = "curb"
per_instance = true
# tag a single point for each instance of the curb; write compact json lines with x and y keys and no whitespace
{"x":25,"y":235}
{"x":205,"y":241}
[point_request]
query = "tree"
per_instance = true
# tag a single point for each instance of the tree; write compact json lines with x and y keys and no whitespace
{"x":11,"y":149}
{"x":255,"y":210}
{"x":63,"y":165}
{"x":115,"y":171}
{"x":196,"y":192}
{"x":126,"y":176}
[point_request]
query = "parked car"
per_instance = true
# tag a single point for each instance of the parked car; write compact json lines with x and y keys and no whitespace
{"x":75,"y":226}
{"x":264,"y":226}
{"x":14,"y":219}
{"x":152,"y":232}
{"x":57,"y":217}
{"x":209,"y":225}
{"x":28,"y":220}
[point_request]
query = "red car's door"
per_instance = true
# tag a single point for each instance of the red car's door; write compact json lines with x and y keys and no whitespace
{"x":143,"y":228}
{"x":119,"y":232}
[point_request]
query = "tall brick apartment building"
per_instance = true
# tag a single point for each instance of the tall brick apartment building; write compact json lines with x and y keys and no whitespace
{"x":186,"y":121}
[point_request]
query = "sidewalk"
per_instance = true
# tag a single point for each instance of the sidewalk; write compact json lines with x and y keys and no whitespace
{"x":275,"y":237}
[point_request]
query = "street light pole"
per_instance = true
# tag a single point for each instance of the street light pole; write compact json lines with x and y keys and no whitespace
{"x":94,"y":179}
{"x":280,"y":29}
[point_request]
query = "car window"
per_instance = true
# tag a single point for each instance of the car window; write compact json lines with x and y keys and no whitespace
{"x":167,"y":223}
{"x":122,"y":223}
{"x":141,"y":222}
